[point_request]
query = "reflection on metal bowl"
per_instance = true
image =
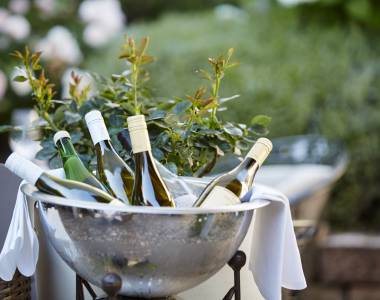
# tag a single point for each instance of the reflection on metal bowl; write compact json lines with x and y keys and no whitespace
{"x":157,"y":252}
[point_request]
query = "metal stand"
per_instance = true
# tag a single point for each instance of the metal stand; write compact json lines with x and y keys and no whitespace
{"x":111,"y":283}
{"x":236,"y":263}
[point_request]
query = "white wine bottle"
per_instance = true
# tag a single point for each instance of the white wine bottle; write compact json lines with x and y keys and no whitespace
{"x":72,"y":164}
{"x":112,"y":171}
{"x":230,"y":188}
{"x":149,"y":188}
{"x":176,"y":185}
{"x":53,"y":185}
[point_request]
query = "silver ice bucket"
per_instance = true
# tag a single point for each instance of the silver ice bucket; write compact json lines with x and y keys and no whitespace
{"x":157,"y":252}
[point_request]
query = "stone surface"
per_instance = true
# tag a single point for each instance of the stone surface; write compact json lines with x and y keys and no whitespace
{"x":350,"y":258}
{"x":316,"y":292}
{"x":365,"y":292}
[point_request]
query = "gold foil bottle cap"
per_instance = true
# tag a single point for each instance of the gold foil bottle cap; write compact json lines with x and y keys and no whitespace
{"x":139,"y":133}
{"x":260,"y":150}
{"x":136,"y":122}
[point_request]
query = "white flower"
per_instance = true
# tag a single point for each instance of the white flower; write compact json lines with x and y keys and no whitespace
{"x":19,"y":6}
{"x":4,"y":14}
{"x":96,"y":35}
{"x":46,"y":6}
{"x":60,"y":44}
{"x":26,"y":144}
{"x":294,"y":2}
{"x":86,"y":79}
{"x":104,"y":19}
{"x":3,"y":84}
{"x":16,"y":26}
{"x":20,"y":88}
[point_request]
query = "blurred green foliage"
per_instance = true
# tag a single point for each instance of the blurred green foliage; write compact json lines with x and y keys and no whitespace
{"x":363,"y":12}
{"x":148,"y":9}
{"x":309,"y":78}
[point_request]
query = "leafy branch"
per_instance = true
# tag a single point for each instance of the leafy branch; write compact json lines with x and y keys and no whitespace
{"x":42,"y":90}
{"x":77,"y":93}
{"x":186,"y":134}
{"x":219,"y":66}
{"x":136,"y":56}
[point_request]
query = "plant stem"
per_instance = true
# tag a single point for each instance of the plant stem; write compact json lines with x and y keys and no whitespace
{"x":216,"y":97}
{"x":135,"y":76}
{"x":47,"y":118}
{"x":41,"y":111}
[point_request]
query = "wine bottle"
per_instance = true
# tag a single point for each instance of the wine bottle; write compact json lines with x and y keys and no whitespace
{"x":112,"y":171}
{"x":176,"y":185}
{"x":149,"y":188}
{"x":53,"y":185}
{"x":72,"y":164}
{"x":229,"y":188}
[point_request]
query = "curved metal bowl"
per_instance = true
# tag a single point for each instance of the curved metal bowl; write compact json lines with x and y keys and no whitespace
{"x":156,"y":251}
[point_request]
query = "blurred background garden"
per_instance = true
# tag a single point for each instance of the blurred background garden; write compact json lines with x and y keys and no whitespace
{"x":313,"y":66}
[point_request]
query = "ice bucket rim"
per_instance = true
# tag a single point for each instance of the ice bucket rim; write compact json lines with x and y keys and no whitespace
{"x":30,"y":191}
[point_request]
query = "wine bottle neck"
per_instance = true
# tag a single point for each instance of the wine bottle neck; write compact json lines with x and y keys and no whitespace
{"x":247,"y":169}
{"x":23,"y":168}
{"x":105,"y":145}
{"x":98,"y":131}
{"x":66,"y":149}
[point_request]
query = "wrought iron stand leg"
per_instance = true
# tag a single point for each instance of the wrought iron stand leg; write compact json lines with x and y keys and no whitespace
{"x":80,"y":282}
{"x":236,"y":263}
{"x":79,"y":288}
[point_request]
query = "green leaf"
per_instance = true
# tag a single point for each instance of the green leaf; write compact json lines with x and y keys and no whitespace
{"x":181,"y":107}
{"x":162,"y":138}
{"x":55,"y":162}
{"x":204,"y":74}
{"x":172,"y":167}
{"x":20,"y":78}
{"x":158,"y":153}
{"x":71,"y":117}
{"x":359,"y":9}
{"x":86,"y":107}
{"x":59,"y":114}
{"x":223,"y":100}
{"x":76,"y":136}
{"x":261,"y":120}
{"x":46,"y":153}
{"x":259,"y":130}
{"x":232,"y":130}
{"x":156,"y":115}
{"x":116,"y":120}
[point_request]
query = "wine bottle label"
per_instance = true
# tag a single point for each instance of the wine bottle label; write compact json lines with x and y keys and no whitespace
{"x":97,"y":127}
{"x":260,"y":150}
{"x":220,"y":196}
{"x":140,"y":140}
{"x":23,"y":168}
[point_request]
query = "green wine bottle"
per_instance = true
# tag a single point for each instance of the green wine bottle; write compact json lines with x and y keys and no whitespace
{"x":112,"y":171}
{"x":72,"y":164}
{"x":149,"y":188}
{"x":53,"y":185}
{"x":229,"y":188}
